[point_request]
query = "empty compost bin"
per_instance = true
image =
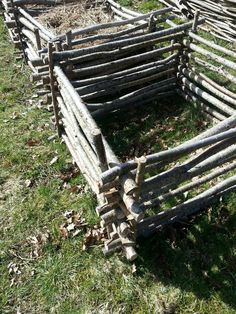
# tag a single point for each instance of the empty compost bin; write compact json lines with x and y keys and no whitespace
{"x":101,"y":77}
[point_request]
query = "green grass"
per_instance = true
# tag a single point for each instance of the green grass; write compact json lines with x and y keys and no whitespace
{"x":184,"y":269}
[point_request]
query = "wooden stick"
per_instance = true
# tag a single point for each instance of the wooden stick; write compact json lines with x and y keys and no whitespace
{"x":59,"y":56}
{"x":211,"y":67}
{"x":113,"y":80}
{"x":131,"y":97}
{"x":210,"y":55}
{"x":78,"y":133}
{"x":199,"y":80}
{"x":54,"y":101}
{"x":125,"y":62}
{"x":116,"y":89}
{"x":214,"y":101}
{"x":109,"y":35}
{"x":212,"y":45}
{"x":156,"y":64}
{"x":141,"y":162}
{"x":189,"y":96}
{"x":187,"y":147}
{"x":36,"y":23}
{"x":189,"y":186}
{"x":100,"y":150}
{"x":37,"y":37}
{"x":186,"y":171}
{"x":191,"y":206}
{"x":125,"y":51}
{"x":97,"y":27}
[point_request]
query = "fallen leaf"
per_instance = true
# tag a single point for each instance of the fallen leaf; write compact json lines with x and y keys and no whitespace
{"x":64,"y":232}
{"x":74,"y":234}
{"x":134,"y":269}
{"x":68,"y":214}
{"x":15,"y":115}
{"x":28,"y":183}
{"x":32,"y":142}
{"x":70,"y":227}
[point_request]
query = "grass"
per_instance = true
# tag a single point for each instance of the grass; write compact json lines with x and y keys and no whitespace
{"x":184,"y":269}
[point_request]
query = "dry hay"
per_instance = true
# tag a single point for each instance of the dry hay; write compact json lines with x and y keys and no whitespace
{"x":63,"y":18}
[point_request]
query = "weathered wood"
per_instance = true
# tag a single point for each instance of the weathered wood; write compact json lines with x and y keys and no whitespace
{"x":36,"y":23}
{"x":212,"y":45}
{"x":191,"y":145}
{"x":116,"y":89}
{"x":210,"y":55}
{"x":133,"y":70}
{"x":218,"y":70}
{"x":199,"y":80}
{"x":134,"y":29}
{"x":141,"y":164}
{"x":97,"y":27}
{"x":211,"y":99}
{"x":189,"y":186}
{"x":124,"y":62}
{"x":191,"y":206}
{"x":100,"y":150}
{"x":52,"y":85}
{"x":142,"y":93}
{"x":189,"y":96}
{"x":59,"y":56}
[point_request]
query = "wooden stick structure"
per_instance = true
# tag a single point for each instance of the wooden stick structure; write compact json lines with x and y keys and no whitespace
{"x":101,"y":70}
{"x":220,"y":15}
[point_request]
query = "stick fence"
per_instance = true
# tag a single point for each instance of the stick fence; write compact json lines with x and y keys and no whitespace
{"x":130,"y":67}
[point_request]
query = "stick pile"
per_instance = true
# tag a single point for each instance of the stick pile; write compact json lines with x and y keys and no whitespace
{"x":220,"y":15}
{"x":129,"y":67}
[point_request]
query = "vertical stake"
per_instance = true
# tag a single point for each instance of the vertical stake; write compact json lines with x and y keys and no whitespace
{"x":37,"y":37}
{"x":195,"y":21}
{"x":69,"y":39}
{"x":100,"y":149}
{"x":18,"y":30}
{"x":140,"y":174}
{"x":51,"y":76}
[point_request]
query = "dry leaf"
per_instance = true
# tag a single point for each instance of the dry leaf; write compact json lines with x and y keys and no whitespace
{"x":74,"y":234}
{"x":15,"y":115}
{"x":70,"y":227}
{"x":134,"y":269}
{"x":32,"y":142}
{"x":64,"y":232}
{"x":28,"y":183}
{"x":68,"y":214}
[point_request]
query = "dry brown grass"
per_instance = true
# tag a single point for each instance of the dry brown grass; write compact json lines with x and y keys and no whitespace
{"x":63,"y":18}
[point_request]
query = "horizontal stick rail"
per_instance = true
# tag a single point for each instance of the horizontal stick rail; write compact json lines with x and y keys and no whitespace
{"x":97,"y":27}
{"x":189,"y":186}
{"x":211,"y":99}
{"x":124,"y":62}
{"x":60,"y":56}
{"x":195,"y":143}
{"x":187,"y":208}
{"x":210,"y":55}
{"x":212,"y":44}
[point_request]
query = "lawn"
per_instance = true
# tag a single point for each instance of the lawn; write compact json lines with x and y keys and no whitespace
{"x":188,"y":268}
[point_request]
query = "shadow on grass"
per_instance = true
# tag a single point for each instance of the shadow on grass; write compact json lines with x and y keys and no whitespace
{"x":198,"y":256}
{"x":151,"y":128}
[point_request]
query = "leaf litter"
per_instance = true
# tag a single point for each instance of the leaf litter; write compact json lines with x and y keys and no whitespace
{"x":75,"y":224}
